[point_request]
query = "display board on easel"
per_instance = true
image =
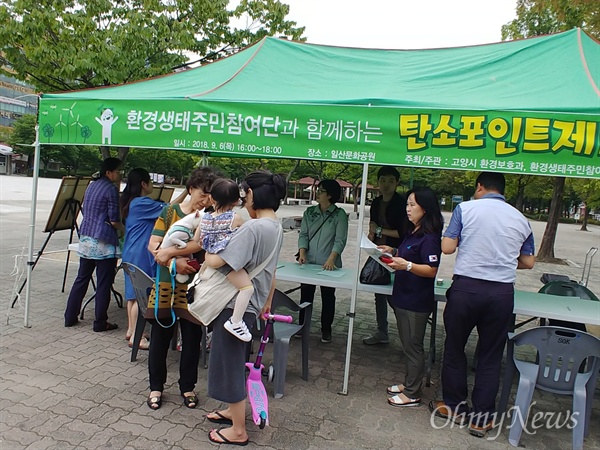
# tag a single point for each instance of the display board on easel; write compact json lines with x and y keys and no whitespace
{"x":67,"y":204}
{"x":162,"y":193}
{"x":63,"y":215}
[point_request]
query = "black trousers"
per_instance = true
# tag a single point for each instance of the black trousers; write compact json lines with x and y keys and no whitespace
{"x":307,"y":294}
{"x":488,"y":306}
{"x":160,"y":339}
{"x":105,"y":275}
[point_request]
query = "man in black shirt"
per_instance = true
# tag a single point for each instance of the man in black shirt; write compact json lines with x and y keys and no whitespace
{"x":386,"y":227}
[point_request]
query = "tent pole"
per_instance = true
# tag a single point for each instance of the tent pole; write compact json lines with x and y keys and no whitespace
{"x":359,"y":232}
{"x":30,"y":261}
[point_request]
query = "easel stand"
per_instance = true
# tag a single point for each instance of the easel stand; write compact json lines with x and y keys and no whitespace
{"x":68,"y":213}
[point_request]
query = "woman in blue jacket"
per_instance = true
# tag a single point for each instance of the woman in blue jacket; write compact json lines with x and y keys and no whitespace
{"x":139,"y":213}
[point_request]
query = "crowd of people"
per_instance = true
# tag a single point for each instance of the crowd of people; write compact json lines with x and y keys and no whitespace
{"x":492,"y":237}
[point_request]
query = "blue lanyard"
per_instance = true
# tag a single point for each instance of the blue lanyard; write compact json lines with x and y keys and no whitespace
{"x":172,"y":272}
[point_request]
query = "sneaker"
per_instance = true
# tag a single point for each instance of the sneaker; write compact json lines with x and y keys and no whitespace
{"x":326,"y":337}
{"x":376,"y":338}
{"x":480,"y":431}
{"x":239,"y":330}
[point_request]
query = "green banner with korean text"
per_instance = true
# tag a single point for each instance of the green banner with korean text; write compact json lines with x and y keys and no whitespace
{"x":511,"y":142}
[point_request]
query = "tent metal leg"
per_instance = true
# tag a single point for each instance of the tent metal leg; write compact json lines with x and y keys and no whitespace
{"x":351,"y":313}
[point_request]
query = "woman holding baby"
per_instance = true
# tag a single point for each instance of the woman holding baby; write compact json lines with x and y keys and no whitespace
{"x":171,"y":296}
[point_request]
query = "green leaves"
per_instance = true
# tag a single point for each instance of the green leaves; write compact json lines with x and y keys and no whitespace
{"x":539,"y":17}
{"x":68,"y":45}
{"x":23,"y":135}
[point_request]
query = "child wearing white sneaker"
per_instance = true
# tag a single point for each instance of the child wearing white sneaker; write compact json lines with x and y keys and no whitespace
{"x":216,"y":230}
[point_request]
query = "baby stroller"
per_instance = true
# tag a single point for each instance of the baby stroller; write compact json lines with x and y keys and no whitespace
{"x":562,"y":285}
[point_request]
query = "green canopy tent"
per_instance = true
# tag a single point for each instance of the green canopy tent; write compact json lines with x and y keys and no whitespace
{"x":529,"y":106}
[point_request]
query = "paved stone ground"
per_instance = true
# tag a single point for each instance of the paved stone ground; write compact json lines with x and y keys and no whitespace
{"x":65,"y":388}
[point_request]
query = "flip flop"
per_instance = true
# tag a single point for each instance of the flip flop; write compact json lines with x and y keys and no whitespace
{"x":225,"y":440}
{"x":395,"y":389}
{"x":144,"y":335}
{"x":396,"y":400}
{"x":221,"y":419}
{"x":144,"y":344}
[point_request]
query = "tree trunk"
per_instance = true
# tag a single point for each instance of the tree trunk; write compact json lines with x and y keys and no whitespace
{"x":287,"y":179}
{"x":122,"y":153}
{"x":546,"y":252}
{"x":520,"y":193}
{"x":520,"y":198}
{"x":585,"y":219}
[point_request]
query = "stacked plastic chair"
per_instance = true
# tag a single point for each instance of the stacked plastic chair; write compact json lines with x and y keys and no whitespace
{"x":567,"y":363}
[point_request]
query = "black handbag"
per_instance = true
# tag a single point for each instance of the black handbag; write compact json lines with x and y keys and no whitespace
{"x":374,"y":273}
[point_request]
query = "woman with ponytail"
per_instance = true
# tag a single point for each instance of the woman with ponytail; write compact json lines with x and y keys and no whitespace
{"x":139,"y":212}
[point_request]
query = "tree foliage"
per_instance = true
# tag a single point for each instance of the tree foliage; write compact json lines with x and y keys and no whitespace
{"x":177,"y":165}
{"x":23,"y":135}
{"x":540,"y":17}
{"x":64,"y":45}
{"x":587,"y":191}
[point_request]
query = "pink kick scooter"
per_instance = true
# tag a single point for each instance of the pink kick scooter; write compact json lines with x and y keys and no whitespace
{"x":257,"y":395}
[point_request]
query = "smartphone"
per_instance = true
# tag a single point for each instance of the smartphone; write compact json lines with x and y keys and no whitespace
{"x":386,"y":259}
{"x":195,"y":264}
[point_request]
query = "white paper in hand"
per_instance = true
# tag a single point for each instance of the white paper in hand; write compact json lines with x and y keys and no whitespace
{"x":371,"y":249}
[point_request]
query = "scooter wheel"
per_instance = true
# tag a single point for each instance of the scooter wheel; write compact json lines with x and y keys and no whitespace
{"x":262,"y":424}
{"x":270,"y":374}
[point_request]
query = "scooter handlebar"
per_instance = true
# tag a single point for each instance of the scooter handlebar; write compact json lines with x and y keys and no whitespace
{"x":278,"y":318}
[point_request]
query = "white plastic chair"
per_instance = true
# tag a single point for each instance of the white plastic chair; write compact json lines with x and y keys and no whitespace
{"x":567,"y":363}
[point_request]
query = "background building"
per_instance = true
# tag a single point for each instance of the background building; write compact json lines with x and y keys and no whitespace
{"x":16,"y":99}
